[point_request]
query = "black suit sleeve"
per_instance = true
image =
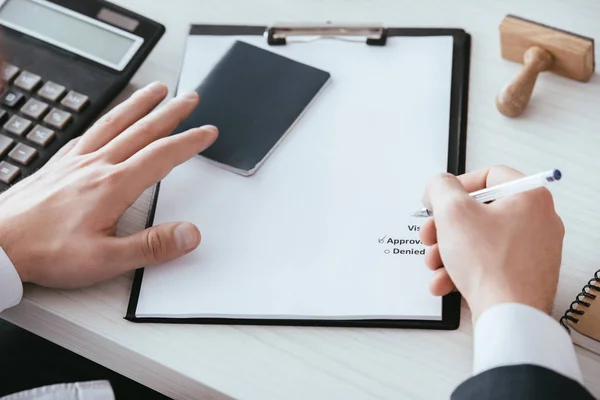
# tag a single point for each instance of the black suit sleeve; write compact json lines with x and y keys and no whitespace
{"x":520,"y":382}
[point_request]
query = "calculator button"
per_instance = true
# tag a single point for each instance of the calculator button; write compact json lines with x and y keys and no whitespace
{"x":51,"y":91}
{"x":41,"y":135}
{"x":17,"y":125}
{"x":8,"y":172}
{"x":22,"y":153}
{"x":58,"y":118}
{"x":12,"y":98}
{"x":34,"y":108}
{"x":9,"y":71}
{"x":5,"y":144}
{"x":27,"y":81}
{"x":74,"y":101}
{"x":3,"y":115}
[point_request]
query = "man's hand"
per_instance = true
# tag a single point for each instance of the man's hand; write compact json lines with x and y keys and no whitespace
{"x":58,"y":225}
{"x":506,"y":251}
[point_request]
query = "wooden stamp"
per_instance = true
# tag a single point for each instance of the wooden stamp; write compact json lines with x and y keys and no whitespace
{"x":540,"y":48}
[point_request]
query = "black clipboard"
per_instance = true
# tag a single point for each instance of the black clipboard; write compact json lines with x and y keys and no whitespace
{"x":375,"y":36}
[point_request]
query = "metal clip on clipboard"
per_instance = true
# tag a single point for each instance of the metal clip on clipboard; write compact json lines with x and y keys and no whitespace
{"x":373,"y":35}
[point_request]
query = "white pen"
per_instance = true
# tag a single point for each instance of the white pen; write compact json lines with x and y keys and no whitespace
{"x":506,"y":189}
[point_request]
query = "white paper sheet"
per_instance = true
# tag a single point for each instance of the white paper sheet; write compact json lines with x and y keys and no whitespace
{"x":308,"y":236}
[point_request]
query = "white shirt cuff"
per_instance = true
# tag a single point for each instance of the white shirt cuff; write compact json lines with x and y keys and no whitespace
{"x":11,"y":287}
{"x":514,"y":334}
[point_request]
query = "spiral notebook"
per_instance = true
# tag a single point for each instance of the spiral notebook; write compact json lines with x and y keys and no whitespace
{"x":582,"y":319}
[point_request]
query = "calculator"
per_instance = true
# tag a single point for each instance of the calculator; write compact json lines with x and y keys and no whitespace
{"x":64,"y":61}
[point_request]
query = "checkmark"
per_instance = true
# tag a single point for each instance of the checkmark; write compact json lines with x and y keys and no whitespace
{"x":382,"y":239}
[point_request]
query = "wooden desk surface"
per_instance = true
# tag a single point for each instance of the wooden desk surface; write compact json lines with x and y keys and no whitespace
{"x":561,"y":129}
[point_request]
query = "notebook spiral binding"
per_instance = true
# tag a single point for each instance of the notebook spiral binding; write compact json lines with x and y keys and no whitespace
{"x":572,"y":313}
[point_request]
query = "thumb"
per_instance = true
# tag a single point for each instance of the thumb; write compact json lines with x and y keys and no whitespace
{"x":156,"y":244}
{"x":445,"y":192}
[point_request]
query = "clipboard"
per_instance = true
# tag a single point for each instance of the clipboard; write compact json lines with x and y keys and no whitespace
{"x":369,"y":35}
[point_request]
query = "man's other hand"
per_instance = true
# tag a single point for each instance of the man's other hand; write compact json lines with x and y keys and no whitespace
{"x":58,"y":225}
{"x":506,"y":251}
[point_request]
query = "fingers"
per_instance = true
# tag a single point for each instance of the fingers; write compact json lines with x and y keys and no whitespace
{"x":487,"y":177}
{"x":156,"y":125}
{"x":154,"y":245}
{"x":444,"y":191}
{"x":428,"y":232}
{"x":122,"y":117}
{"x":156,"y":161}
{"x":433,"y":259}
{"x":64,"y":150}
{"x":441,"y":284}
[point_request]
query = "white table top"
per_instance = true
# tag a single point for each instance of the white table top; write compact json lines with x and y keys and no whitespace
{"x":559,"y":129}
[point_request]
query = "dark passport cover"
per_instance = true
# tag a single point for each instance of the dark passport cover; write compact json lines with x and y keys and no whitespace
{"x":253,"y":96}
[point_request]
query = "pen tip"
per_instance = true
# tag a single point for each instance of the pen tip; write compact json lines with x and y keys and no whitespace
{"x":423,"y":213}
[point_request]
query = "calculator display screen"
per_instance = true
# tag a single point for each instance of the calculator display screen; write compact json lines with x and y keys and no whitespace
{"x":71,"y":31}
